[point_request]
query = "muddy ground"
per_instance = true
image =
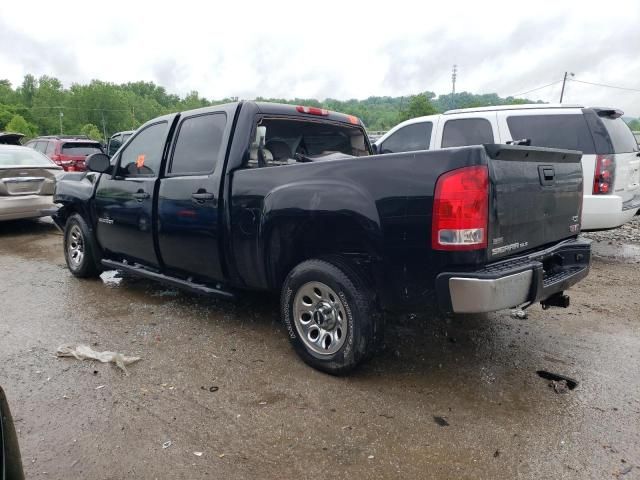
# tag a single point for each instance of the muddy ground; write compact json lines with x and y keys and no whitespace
{"x":449,"y":398}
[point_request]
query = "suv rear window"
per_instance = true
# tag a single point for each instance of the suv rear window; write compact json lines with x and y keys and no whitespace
{"x":81,"y":148}
{"x":466,"y":131}
{"x":621,"y":136}
{"x":570,"y":132}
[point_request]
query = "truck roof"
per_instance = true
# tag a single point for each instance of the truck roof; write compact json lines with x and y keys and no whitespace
{"x":288,"y":109}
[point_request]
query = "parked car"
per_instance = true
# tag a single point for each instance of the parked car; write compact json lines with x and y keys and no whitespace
{"x":259,"y":196}
{"x":610,"y":162}
{"x":117,"y":140}
{"x":27,"y":180}
{"x":68,"y":151}
{"x":10,"y":460}
{"x":10,"y":138}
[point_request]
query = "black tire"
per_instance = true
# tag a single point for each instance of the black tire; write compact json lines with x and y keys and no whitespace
{"x":79,"y":238}
{"x":363,"y":320}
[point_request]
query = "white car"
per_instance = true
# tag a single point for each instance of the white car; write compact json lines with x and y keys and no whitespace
{"x":610,"y":160}
{"x":27,"y":180}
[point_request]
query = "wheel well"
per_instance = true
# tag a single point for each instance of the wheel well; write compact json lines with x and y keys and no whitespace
{"x":294,"y":242}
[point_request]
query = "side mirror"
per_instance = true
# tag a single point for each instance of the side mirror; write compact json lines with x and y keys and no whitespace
{"x":98,"y":162}
{"x":374,"y":147}
{"x":10,"y":461}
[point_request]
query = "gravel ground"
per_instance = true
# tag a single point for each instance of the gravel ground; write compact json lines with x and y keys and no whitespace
{"x":628,"y":233}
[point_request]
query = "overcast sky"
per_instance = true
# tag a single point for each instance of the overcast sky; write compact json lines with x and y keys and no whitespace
{"x":340,"y":49}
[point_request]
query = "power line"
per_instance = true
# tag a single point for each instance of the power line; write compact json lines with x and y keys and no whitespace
{"x":535,"y":89}
{"x":605,"y":85}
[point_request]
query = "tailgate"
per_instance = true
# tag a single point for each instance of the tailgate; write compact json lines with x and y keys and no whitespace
{"x":627,"y":176}
{"x":535,"y":199}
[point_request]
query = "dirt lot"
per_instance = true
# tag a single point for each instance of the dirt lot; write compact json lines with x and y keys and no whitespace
{"x":451,"y":397}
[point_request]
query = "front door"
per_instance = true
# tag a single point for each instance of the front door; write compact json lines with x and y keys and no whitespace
{"x":124,"y":200}
{"x":188,"y":203}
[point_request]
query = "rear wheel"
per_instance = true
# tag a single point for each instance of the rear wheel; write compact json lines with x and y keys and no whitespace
{"x":79,"y":250}
{"x":330,"y":314}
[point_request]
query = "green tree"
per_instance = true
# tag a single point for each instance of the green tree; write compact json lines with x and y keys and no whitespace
{"x":19,"y":125}
{"x":419,"y":106}
{"x":91,"y":131}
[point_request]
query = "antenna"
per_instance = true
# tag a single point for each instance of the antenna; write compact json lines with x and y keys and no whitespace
{"x":454,"y":75}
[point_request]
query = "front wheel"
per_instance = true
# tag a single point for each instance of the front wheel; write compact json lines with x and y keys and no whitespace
{"x":79,"y":250}
{"x":330,"y":314}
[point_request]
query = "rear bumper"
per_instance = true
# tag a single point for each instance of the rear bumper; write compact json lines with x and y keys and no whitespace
{"x":26,"y":206}
{"x":516,"y":281}
{"x":601,"y":212}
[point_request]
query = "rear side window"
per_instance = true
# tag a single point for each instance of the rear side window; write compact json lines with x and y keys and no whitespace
{"x":84,"y":149}
{"x":198,"y":144}
{"x":142,"y":157}
{"x":621,"y":137}
{"x":415,"y":136}
{"x":51,"y":146}
{"x":553,"y":131}
{"x":466,"y":131}
{"x":40,"y":146}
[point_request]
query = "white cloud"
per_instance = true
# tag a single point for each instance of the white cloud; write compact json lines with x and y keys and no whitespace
{"x":333,"y":48}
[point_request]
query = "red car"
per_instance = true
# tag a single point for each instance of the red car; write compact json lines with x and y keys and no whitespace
{"x":68,"y":151}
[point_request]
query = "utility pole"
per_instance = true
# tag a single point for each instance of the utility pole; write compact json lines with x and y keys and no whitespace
{"x":60,"y":117}
{"x":564,"y":81}
{"x":454,"y":75}
{"x":104,"y":127}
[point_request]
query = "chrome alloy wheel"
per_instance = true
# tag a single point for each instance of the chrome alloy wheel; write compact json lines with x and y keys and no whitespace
{"x":75,"y":246}
{"x":320,"y":318}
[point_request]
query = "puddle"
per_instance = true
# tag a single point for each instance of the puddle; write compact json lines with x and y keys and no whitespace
{"x":620,"y":252}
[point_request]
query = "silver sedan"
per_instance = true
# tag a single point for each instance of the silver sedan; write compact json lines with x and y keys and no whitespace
{"x":27,"y":180}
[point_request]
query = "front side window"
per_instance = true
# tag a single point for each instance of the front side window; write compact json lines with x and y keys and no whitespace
{"x":114,"y":144}
{"x":143,"y":155}
{"x":415,"y":136}
{"x":198,"y":144}
{"x":466,"y":131}
{"x":553,"y":131}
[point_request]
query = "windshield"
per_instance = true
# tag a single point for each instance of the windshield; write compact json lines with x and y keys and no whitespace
{"x":81,"y":148}
{"x":23,"y":157}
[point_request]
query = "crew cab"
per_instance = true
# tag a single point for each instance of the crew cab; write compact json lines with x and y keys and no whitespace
{"x":260,"y":196}
{"x":610,"y":160}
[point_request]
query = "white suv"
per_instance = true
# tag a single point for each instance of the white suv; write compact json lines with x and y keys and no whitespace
{"x":610,"y":160}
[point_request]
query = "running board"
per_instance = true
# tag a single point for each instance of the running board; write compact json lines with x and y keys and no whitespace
{"x":141,"y":271}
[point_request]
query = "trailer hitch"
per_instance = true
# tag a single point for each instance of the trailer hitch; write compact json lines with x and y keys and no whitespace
{"x":556,"y":300}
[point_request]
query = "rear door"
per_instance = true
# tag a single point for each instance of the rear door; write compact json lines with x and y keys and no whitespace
{"x":463,"y":129}
{"x":124,"y":200}
{"x":188,"y":198}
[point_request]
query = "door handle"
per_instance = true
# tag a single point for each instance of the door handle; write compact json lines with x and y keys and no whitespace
{"x":141,"y":195}
{"x":201,"y":197}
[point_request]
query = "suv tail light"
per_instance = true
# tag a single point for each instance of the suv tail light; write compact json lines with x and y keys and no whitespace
{"x":604,"y":174}
{"x":461,"y":210}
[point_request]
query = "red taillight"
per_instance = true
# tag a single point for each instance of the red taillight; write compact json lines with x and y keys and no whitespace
{"x":603,"y":175}
{"x":313,"y":110}
{"x":461,"y":210}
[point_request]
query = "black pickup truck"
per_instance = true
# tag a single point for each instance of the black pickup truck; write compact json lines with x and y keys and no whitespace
{"x":259,"y":196}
